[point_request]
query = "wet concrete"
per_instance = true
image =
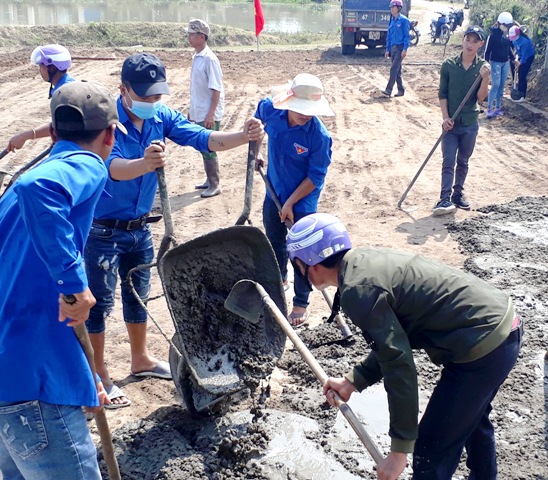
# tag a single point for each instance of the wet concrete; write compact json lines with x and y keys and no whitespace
{"x":295,"y":435}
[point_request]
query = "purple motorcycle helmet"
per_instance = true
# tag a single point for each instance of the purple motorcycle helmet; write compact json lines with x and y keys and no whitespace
{"x":317,"y":237}
{"x":55,"y":55}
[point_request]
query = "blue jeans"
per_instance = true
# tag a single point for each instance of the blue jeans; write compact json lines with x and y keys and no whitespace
{"x":457,"y":146}
{"x":457,"y":416}
{"x":276,"y":232}
{"x":111,"y":252}
{"x":395,"y":69}
{"x":41,"y":441}
{"x":522,"y":75}
{"x":499,"y":74}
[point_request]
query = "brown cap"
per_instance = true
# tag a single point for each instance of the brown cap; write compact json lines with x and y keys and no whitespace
{"x":91,"y":107}
{"x":198,"y":26}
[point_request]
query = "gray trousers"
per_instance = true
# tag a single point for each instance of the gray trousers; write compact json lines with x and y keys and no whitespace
{"x":457,"y":147}
{"x":395,"y":69}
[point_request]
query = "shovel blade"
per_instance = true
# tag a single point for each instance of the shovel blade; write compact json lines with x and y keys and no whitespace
{"x":245,"y":300}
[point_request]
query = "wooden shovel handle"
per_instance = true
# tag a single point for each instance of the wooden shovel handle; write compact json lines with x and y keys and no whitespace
{"x":320,"y":374}
{"x":100,"y":416}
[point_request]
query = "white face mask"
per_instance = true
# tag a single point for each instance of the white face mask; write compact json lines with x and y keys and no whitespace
{"x":143,"y":110}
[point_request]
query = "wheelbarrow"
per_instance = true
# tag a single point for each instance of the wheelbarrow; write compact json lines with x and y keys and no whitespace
{"x":214,"y":355}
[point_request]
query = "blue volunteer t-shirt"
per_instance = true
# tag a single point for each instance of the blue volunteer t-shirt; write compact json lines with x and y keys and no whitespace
{"x":45,"y":219}
{"x":295,"y":153}
{"x":131,"y":199}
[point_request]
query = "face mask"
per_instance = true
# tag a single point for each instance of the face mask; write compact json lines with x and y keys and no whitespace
{"x":143,"y":110}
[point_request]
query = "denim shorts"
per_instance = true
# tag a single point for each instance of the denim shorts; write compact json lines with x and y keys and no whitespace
{"x":41,"y":441}
{"x":110,"y":254}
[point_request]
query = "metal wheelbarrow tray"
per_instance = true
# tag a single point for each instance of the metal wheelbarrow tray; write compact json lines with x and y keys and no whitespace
{"x":220,"y":353}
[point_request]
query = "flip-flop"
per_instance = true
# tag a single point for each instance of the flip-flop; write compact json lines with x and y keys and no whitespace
{"x":161,"y":370}
{"x":114,"y":391}
{"x":297,"y":319}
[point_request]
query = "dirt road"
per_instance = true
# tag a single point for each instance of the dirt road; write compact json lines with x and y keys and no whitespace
{"x":379,"y":144}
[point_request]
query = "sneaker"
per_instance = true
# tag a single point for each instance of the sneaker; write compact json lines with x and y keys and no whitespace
{"x":386,"y":92}
{"x":520,"y":100}
{"x":498,"y":112}
{"x":460,"y":201}
{"x":443,"y":207}
{"x":400,"y":94}
{"x":489,"y":114}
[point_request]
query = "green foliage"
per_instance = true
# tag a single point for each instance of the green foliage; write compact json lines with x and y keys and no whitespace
{"x":532,"y":14}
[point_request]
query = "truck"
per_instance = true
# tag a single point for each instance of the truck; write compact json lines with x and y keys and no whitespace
{"x":365,"y":22}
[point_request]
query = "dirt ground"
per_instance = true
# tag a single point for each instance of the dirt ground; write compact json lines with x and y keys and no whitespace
{"x":378,"y":145}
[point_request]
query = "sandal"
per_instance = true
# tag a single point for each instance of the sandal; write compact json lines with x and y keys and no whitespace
{"x":297,"y":319}
{"x":113,"y":392}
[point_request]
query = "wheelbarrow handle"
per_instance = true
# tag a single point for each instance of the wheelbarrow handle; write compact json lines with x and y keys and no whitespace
{"x":320,"y":374}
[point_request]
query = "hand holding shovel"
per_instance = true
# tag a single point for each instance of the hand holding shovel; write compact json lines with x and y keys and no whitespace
{"x":247,"y":299}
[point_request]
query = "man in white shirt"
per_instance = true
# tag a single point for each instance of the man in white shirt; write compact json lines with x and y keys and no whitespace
{"x":206,"y":98}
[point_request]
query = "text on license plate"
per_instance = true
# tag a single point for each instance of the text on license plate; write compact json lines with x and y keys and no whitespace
{"x":374,"y":35}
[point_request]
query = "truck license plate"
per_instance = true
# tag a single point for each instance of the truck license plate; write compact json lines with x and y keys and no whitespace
{"x":374,"y":35}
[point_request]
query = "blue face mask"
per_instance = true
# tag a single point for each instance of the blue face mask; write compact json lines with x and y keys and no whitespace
{"x":143,"y":110}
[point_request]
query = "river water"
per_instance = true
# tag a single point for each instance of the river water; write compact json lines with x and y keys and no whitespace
{"x":285,"y":18}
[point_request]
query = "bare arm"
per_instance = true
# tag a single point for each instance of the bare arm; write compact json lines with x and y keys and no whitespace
{"x":124,"y":169}
{"x":17,"y":141}
{"x":252,"y":131}
{"x":447,"y":122}
{"x":485,"y":72}
{"x":210,"y":117}
{"x":304,"y":189}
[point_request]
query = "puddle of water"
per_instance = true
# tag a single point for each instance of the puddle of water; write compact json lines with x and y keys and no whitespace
{"x":290,"y":454}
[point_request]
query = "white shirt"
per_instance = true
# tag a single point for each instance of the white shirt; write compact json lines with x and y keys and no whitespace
{"x":205,"y":75}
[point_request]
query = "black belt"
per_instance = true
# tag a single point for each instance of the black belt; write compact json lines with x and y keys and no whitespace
{"x":128,"y":224}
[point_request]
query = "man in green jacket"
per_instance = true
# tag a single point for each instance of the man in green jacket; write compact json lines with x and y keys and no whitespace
{"x":403,"y":302}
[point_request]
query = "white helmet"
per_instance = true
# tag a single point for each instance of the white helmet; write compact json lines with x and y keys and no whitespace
{"x":505,"y":18}
{"x":54,"y":54}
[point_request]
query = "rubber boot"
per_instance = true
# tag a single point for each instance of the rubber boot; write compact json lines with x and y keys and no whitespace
{"x":202,"y":186}
{"x":212,"y":171}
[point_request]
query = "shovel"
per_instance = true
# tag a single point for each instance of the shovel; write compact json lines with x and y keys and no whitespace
{"x":343,"y":326}
{"x":515,"y":94}
{"x":438,"y":141}
{"x":100,"y":416}
{"x":251,"y":157}
{"x":247,"y":299}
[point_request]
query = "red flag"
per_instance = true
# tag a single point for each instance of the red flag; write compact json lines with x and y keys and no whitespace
{"x":259,"y":17}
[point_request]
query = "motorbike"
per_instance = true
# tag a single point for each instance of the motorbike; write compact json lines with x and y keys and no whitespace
{"x":439,"y":28}
{"x":414,"y":32}
{"x":455,"y":18}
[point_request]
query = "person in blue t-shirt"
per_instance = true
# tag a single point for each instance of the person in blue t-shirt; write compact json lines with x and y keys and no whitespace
{"x":54,"y":61}
{"x":525,"y":50}
{"x":299,"y":153}
{"x":120,"y":237}
{"x":45,"y":219}
{"x":397,"y":43}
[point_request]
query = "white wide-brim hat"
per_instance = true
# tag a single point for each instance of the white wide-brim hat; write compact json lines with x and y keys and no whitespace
{"x":303,"y":95}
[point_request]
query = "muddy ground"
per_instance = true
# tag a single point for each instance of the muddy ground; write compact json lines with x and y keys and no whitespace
{"x":379,"y":144}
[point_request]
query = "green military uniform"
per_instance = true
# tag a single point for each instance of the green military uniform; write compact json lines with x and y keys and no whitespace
{"x":403,"y":302}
